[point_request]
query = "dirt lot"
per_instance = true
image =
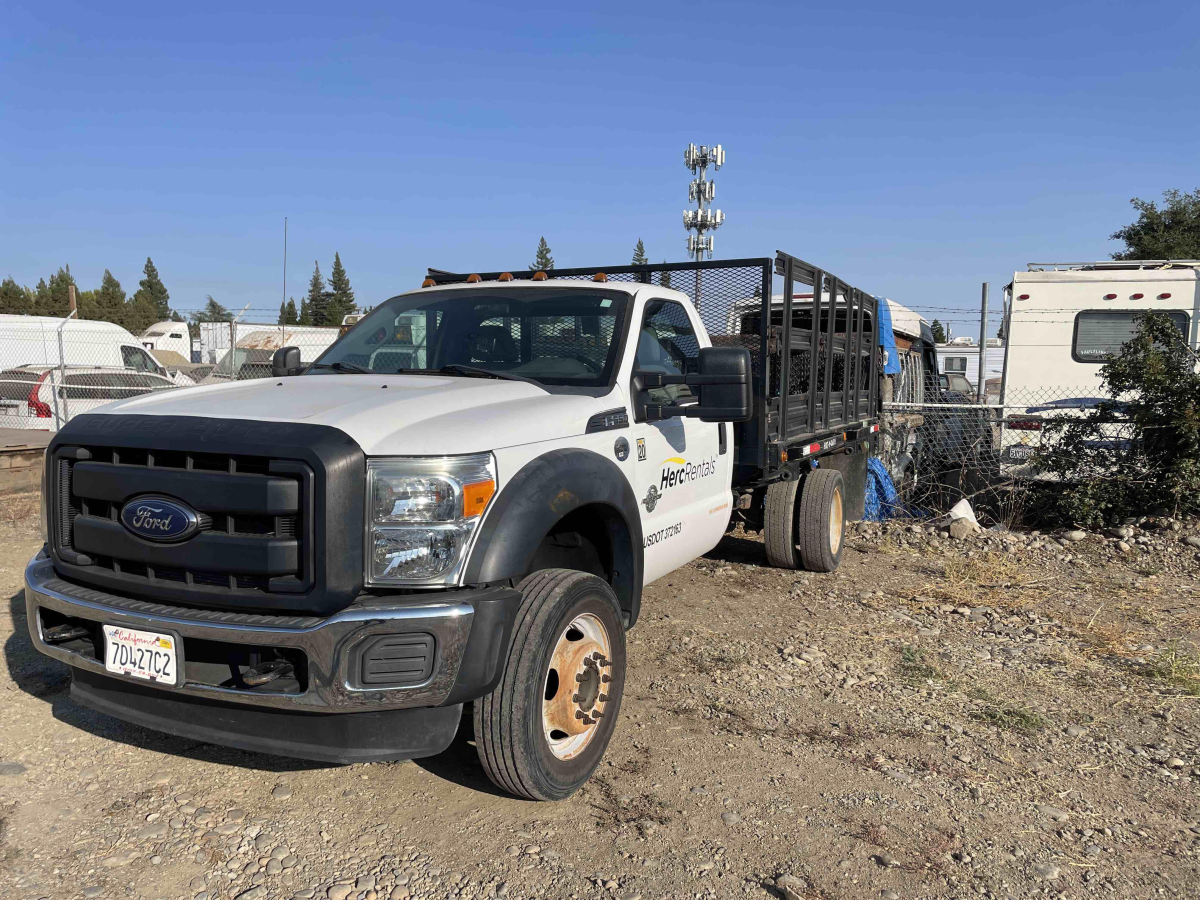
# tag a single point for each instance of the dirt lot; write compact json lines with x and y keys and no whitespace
{"x":1007,"y":716}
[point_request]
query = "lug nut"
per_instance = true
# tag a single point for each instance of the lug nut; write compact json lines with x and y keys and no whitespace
{"x":605,"y":679}
{"x":579,"y":677}
{"x":579,"y":713}
{"x":575,"y":698}
{"x":588,"y":721}
{"x":604,"y":698}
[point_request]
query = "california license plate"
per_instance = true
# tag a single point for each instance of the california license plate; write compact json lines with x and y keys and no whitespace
{"x":141,"y":654}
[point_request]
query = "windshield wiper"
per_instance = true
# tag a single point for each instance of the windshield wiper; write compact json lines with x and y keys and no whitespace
{"x":476,"y":372}
{"x":342,"y":367}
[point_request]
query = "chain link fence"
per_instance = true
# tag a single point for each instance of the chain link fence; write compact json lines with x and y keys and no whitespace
{"x":992,"y":454}
{"x":53,"y":369}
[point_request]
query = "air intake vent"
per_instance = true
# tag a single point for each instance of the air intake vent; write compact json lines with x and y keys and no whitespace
{"x":396,"y":660}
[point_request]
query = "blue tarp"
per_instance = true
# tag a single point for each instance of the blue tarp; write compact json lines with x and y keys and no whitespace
{"x":883,"y":502}
{"x":887,"y":340}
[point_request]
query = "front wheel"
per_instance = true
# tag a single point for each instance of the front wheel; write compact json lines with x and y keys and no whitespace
{"x":542,"y":732}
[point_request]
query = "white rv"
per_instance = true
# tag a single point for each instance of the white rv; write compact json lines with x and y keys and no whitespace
{"x":169,"y":335}
{"x":1067,"y":320}
{"x":960,"y":356}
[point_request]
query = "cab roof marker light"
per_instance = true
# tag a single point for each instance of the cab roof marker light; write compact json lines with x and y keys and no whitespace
{"x":1138,"y":296}
{"x":599,"y":276}
{"x":1023,"y":297}
{"x":1110,"y":296}
{"x":473,"y":279}
{"x":505,"y":276}
{"x":428,"y":282}
{"x":539,"y":276}
{"x":1164,"y":296}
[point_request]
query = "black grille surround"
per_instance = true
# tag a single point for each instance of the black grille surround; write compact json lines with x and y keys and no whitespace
{"x":282,"y":504}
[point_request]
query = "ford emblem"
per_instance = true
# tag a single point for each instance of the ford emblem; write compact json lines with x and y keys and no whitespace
{"x":159,"y":519}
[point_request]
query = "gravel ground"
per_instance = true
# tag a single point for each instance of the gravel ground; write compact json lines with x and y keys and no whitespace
{"x":1003,"y":715}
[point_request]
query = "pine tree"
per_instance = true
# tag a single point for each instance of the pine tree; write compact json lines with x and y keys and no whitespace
{"x":152,"y":293}
{"x":318,"y":298}
{"x":664,"y":277}
{"x":544,"y":261}
{"x":291,"y":317}
{"x":282,"y":320}
{"x":939,"y":332}
{"x":212,"y":312}
{"x":53,"y":299}
{"x":14,"y":299}
{"x":305,"y":317}
{"x":342,"y":302}
{"x":140,"y":313}
{"x":106,"y":303}
{"x":639,"y":254}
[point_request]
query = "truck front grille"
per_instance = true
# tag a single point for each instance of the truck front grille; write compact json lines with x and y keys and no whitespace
{"x":253,"y":538}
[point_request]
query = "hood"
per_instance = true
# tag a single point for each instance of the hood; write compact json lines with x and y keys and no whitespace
{"x":388,"y":414}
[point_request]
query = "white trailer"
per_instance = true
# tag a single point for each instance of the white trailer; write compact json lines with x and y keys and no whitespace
{"x":961,"y":357}
{"x":168,"y":335}
{"x":1067,"y":320}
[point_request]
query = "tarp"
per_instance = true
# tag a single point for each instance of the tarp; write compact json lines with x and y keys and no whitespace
{"x":887,"y":340}
{"x":883,"y":502}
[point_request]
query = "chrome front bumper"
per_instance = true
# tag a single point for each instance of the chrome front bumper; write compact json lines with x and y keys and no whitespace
{"x":329,"y":643}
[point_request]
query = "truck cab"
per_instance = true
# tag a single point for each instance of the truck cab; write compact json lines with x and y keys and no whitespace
{"x":459,"y":502}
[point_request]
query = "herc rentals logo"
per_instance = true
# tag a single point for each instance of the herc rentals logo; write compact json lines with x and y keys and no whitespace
{"x":676,"y":471}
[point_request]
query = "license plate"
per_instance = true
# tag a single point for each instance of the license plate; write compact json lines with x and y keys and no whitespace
{"x":1019,"y":454}
{"x":141,"y":654}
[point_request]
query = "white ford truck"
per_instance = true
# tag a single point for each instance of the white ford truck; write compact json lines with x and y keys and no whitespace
{"x":458,"y":503}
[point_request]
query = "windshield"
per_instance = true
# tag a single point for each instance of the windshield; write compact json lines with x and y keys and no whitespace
{"x":556,"y":337}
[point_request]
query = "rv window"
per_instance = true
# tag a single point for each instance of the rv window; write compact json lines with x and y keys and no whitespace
{"x":1100,"y":333}
{"x":956,"y":364}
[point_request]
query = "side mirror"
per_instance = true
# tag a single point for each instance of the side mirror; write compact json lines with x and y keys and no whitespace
{"x":725,"y":385}
{"x":724,"y":389}
{"x":285,"y":361}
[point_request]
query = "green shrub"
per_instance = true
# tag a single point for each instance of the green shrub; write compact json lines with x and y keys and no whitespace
{"x":1138,"y":451}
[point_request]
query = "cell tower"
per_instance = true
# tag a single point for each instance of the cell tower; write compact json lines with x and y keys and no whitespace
{"x":701,"y":192}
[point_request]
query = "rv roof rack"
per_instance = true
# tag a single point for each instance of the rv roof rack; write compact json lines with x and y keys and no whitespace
{"x":1114,"y":264}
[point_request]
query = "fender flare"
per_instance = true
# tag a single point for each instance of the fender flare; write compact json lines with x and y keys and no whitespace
{"x":535,"y":499}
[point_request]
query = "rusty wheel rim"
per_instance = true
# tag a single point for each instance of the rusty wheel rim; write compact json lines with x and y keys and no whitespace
{"x":577,"y":687}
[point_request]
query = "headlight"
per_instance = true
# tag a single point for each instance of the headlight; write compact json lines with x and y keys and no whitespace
{"x":422,"y":515}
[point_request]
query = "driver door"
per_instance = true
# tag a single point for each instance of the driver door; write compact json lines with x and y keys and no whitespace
{"x":682,"y":465}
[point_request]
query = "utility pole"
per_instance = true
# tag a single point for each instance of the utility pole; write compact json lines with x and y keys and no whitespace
{"x":980,"y":390}
{"x":701,"y":192}
{"x":71,"y":297}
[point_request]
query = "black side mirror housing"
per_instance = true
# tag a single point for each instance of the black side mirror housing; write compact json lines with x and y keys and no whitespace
{"x":286,"y":361}
{"x":723,"y":384}
{"x":725,"y":388}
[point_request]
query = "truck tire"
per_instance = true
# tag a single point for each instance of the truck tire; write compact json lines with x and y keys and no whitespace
{"x":541,"y":733}
{"x":821,"y":524}
{"x":779,"y":525}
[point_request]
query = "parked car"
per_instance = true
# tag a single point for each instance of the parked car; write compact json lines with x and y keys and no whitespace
{"x":44,"y":398}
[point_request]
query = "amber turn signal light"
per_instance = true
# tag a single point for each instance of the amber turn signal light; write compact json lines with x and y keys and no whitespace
{"x":476,"y":497}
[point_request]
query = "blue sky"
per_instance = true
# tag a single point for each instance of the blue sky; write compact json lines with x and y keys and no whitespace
{"x":915,"y":149}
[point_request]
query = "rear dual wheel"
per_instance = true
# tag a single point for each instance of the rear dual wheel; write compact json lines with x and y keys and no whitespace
{"x":542,"y":732}
{"x":805,"y":521}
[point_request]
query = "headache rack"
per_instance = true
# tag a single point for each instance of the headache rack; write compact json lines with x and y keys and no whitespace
{"x":779,"y":308}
